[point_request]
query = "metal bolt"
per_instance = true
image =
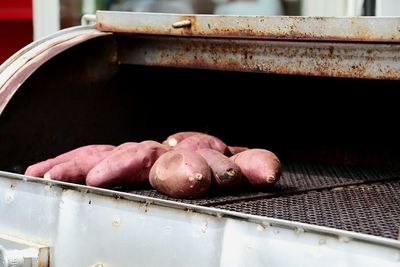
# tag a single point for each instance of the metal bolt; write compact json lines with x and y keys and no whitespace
{"x":182,"y":23}
{"x":344,"y":239}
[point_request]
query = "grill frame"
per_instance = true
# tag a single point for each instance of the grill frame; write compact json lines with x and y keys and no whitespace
{"x":68,"y":209}
{"x":321,"y":190}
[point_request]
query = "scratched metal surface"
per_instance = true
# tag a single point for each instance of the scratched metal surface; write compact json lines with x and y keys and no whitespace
{"x":360,"y":29}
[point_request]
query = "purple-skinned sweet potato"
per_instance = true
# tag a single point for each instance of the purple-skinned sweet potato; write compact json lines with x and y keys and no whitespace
{"x":176,"y":138}
{"x":39,"y":169}
{"x":226,"y":174}
{"x":181,"y":173}
{"x":261,"y":167}
{"x":76,"y":169}
{"x":127,"y":166}
{"x":237,"y":149}
{"x":199,"y":141}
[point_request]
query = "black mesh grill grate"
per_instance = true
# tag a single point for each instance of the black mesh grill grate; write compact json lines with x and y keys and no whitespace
{"x":363,"y":200}
{"x":297,"y":177}
{"x":370,"y":208}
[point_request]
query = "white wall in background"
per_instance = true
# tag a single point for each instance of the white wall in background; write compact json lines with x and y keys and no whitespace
{"x":354,"y":7}
{"x":331,"y":8}
{"x":388,"y":7}
{"x":46,"y":18}
{"x":259,"y":7}
{"x":88,"y":6}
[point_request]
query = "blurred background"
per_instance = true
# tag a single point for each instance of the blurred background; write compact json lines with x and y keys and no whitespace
{"x":22,"y":21}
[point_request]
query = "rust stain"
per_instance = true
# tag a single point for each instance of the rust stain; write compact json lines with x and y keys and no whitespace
{"x":295,"y":28}
{"x":128,"y":29}
{"x":44,"y":262}
{"x":153,"y":30}
{"x":312,"y":61}
{"x":293,"y":34}
{"x":193,"y":28}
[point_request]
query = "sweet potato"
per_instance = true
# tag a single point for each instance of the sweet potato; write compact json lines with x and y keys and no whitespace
{"x":174,"y":139}
{"x":261,"y":167}
{"x":237,"y":149}
{"x":125,"y":145}
{"x":225,"y":173}
{"x":76,"y":169}
{"x":127,"y":166}
{"x":39,"y":169}
{"x":199,"y":141}
{"x":181,"y":174}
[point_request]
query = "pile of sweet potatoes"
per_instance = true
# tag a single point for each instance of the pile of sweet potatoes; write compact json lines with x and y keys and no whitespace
{"x":185,"y":165}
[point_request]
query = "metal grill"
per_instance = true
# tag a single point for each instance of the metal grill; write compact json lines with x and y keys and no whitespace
{"x":370,"y":208}
{"x":364,"y":200}
{"x":296,"y":178}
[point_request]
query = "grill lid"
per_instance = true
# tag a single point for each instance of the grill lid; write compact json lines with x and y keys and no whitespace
{"x":364,"y":29}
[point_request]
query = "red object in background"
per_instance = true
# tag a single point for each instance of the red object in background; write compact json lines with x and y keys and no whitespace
{"x":16,"y":26}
